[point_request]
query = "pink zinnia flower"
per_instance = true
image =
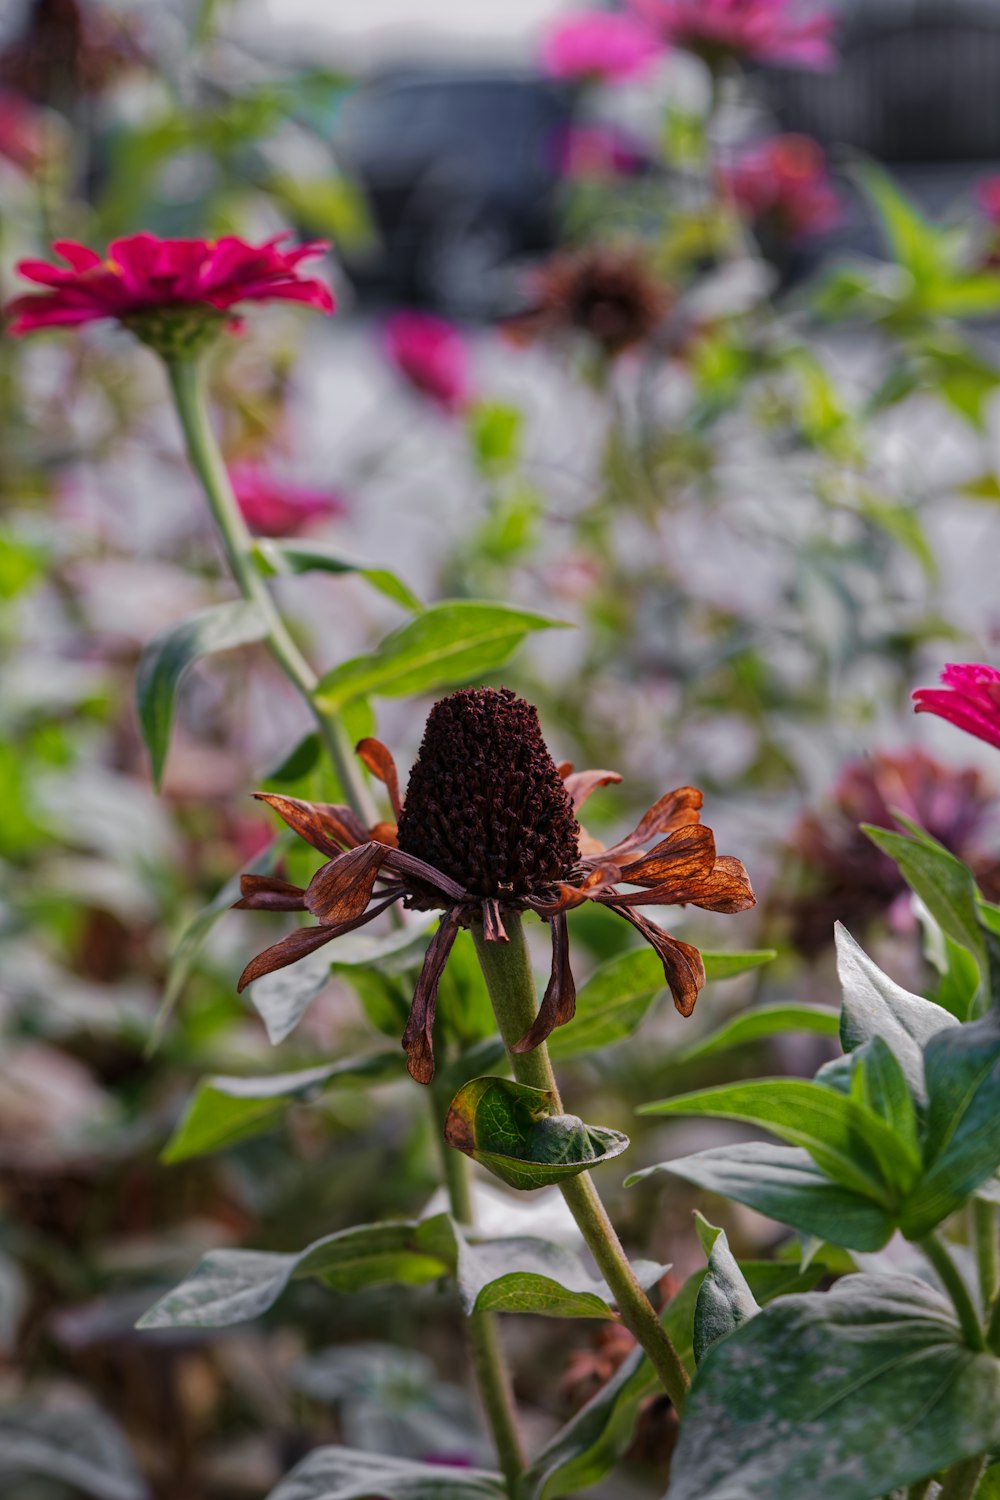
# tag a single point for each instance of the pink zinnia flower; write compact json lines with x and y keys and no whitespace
{"x":593,"y":151}
{"x":783,"y":184}
{"x":432,"y":355}
{"x":599,"y":45}
{"x":273,"y":506}
{"x":769,"y":31}
{"x":969,"y":698}
{"x":153,"y":285}
{"x":988,"y":198}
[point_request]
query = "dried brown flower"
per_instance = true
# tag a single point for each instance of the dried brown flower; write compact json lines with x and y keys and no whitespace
{"x":489,"y":826}
{"x":607,"y":293}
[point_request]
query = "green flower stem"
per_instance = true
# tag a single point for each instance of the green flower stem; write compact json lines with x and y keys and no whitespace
{"x":187,"y":387}
{"x":961,"y":1480}
{"x":993,"y":1327}
{"x":984,"y":1222}
{"x":938,"y":1255}
{"x":507,"y":970}
{"x":485,"y":1346}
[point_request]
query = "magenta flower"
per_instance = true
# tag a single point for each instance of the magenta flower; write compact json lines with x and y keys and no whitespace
{"x":783,"y":185}
{"x":988,"y":198}
{"x":586,"y":152}
{"x":154,"y":286}
{"x":768,"y":31}
{"x":969,"y":698}
{"x":273,"y":506}
{"x":432,"y":355}
{"x":599,"y":45}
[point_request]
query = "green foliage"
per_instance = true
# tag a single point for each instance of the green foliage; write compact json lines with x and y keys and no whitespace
{"x":305,"y":556}
{"x":72,"y":1442}
{"x":349,"y":1474}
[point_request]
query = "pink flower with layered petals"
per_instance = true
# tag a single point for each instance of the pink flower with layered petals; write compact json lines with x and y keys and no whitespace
{"x":432,"y":355}
{"x":144,"y":275}
{"x":767,"y":31}
{"x":599,"y":45}
{"x":784,"y":184}
{"x":273,"y":506}
{"x":969,"y":698}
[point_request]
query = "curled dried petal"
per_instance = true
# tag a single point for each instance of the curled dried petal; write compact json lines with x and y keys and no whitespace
{"x":342,"y":889}
{"x":581,"y":784}
{"x":493,"y":929}
{"x":325,"y":825}
{"x":559,"y":1001}
{"x":674,"y":809}
{"x":305,"y":940}
{"x":418,"y":1038}
{"x":378,"y":758}
{"x":682,"y":963}
{"x":267,"y":893}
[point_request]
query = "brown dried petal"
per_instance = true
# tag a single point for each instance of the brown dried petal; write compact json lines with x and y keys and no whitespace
{"x":342,"y":889}
{"x":581,"y":784}
{"x":291,"y":948}
{"x":686,"y":857}
{"x":559,"y":1001}
{"x":682,"y":963}
{"x":378,"y":758}
{"x":674,"y":809}
{"x":267,"y":893}
{"x":418,"y":1036}
{"x":731,"y":888}
{"x":328,"y":827}
{"x":411,"y":868}
{"x":493,"y":929}
{"x":569,"y":896}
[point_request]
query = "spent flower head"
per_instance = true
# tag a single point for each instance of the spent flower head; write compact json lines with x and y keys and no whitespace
{"x":608,"y":294}
{"x":488,"y":827}
{"x":173,"y":294}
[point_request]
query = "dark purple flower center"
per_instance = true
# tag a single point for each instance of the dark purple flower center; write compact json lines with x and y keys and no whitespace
{"x":485,"y":803}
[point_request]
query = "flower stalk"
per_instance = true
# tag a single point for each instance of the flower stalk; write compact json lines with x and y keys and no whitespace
{"x":507,"y":970}
{"x":954,"y":1283}
{"x":187,"y":386}
{"x":984,"y":1225}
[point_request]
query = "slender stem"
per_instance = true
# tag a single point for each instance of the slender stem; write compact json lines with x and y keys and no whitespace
{"x":187,"y":387}
{"x":938,"y":1255}
{"x":961,"y":1480}
{"x":993,"y":1327}
{"x":984,"y":1223}
{"x":507,"y":970}
{"x":485,"y":1345}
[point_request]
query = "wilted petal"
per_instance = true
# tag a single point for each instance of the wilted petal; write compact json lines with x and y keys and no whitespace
{"x":674,"y":809}
{"x":418,"y":1038}
{"x":267,"y":893}
{"x":686,"y":857}
{"x":291,"y":948}
{"x":493,"y":929}
{"x":569,"y":896}
{"x":731,"y":889}
{"x":581,"y":784}
{"x":342,"y":889}
{"x":378,"y":758}
{"x":412,"y":868}
{"x":559,"y":1001}
{"x":682,"y":964}
{"x":328,"y":827}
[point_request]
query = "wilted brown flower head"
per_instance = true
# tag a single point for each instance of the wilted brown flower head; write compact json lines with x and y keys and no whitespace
{"x":845,"y":877}
{"x":607,"y":293}
{"x":489,"y":826}
{"x":64,"y":52}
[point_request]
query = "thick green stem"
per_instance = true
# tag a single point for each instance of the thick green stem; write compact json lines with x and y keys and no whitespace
{"x":961,"y":1480}
{"x":187,"y":387}
{"x":511,"y":983}
{"x":993,"y":1327}
{"x":984,"y":1223}
{"x":485,"y":1345}
{"x":938,"y":1255}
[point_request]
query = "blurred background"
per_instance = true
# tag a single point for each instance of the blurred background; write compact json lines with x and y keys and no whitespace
{"x":690,"y":343}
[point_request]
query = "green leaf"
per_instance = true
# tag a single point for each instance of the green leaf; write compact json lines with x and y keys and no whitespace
{"x":281,"y":999}
{"x":230,"y":1286}
{"x":765,"y":1021}
{"x":988,"y":1487}
{"x":169,"y":655}
{"x":223,"y":1110}
{"x":71,"y":1441}
{"x":880,"y":1084}
{"x":840,"y":1396}
{"x":512,"y":1131}
{"x":911,"y":239}
{"x":495,"y":435}
{"x":786,"y":1185}
{"x":874,"y":1005}
{"x":725,"y":1300}
{"x":299,"y":556}
{"x":945,"y":886}
{"x":522,"y":1274}
{"x":446,"y":645}
{"x":962,"y":1127}
{"x":350,"y":1474}
{"x":845,"y":1139}
{"x":618,"y":997}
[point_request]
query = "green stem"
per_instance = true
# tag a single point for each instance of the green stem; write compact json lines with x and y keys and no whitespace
{"x":507,"y":970}
{"x":993,"y":1327}
{"x":984,"y":1223}
{"x":961,"y":1480}
{"x":187,"y":387}
{"x":485,"y":1346}
{"x":919,"y":1490}
{"x":938,"y":1255}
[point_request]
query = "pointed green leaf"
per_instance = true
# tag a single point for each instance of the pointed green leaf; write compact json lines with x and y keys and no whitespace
{"x":846,"y":1395}
{"x":280,"y":555}
{"x":764,"y":1021}
{"x":523,"y":1274}
{"x":847,"y":1140}
{"x":725,"y":1300}
{"x":170,"y":654}
{"x":444,"y":646}
{"x":946,"y":886}
{"x":784,"y":1184}
{"x":513,"y":1132}
{"x":223,"y":1110}
{"x":281,"y":999}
